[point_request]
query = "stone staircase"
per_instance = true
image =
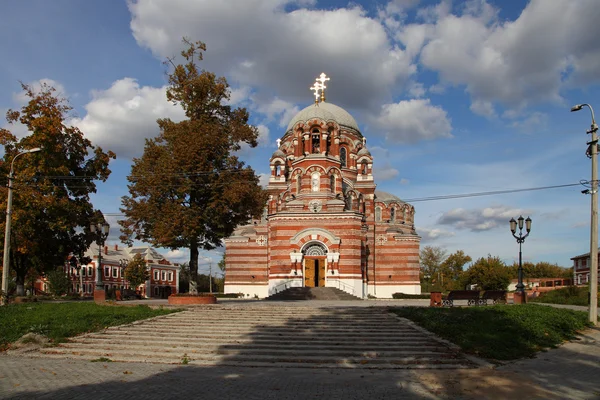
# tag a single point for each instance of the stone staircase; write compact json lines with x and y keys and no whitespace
{"x":268,"y":336}
{"x":316,"y":293}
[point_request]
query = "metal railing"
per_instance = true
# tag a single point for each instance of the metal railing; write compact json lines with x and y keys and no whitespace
{"x":346,"y":288}
{"x":286,"y":285}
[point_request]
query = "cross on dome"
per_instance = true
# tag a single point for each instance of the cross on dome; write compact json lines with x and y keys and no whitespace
{"x":319,"y":86}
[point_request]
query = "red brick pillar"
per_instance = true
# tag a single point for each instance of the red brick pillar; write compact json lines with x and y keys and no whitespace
{"x":520,"y":298}
{"x":435,"y":299}
{"x":99,"y":296}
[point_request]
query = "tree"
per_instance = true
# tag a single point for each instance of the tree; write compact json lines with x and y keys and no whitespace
{"x":488,"y":273}
{"x":51,"y":209}
{"x":136,"y":271}
{"x":189,"y":190}
{"x":58,"y":282}
{"x":452,"y":269}
{"x":540,"y":270}
{"x":431,"y":259}
{"x":222,"y":263}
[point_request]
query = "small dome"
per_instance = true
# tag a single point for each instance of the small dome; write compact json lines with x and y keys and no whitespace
{"x":386,"y":197}
{"x":364,"y":152}
{"x":327,"y":112}
{"x":278,"y":153}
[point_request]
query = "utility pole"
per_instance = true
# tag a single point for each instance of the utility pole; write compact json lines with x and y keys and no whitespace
{"x":210,"y":276}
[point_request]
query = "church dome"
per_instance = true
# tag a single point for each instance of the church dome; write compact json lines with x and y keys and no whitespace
{"x":278,"y":153}
{"x":327,"y":112}
{"x":386,"y":197}
{"x":364,"y":152}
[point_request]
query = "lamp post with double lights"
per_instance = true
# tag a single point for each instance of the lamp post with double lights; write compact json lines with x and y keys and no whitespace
{"x":592,"y":153}
{"x":101,"y":230}
{"x":6,"y":262}
{"x":520,"y":295}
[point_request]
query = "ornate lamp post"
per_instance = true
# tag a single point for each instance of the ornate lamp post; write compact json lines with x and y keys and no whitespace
{"x":522,"y":298}
{"x":593,"y":154}
{"x":102,"y":231}
{"x":6,"y":262}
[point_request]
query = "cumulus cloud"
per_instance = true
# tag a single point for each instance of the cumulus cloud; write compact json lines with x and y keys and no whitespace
{"x":515,"y":63}
{"x":409,"y":121}
{"x":121,"y":117}
{"x":432,"y":234}
{"x":481,"y":219}
{"x":263,"y":180}
{"x":348,"y":45}
{"x":385,"y":173}
{"x":21,"y":98}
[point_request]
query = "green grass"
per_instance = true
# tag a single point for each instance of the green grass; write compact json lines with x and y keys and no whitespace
{"x":571,"y":295}
{"x":501,"y":332}
{"x":63,"y":320}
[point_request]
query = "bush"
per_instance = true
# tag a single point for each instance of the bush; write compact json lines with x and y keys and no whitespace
{"x":410,"y":296}
{"x":570,"y":295}
{"x":228,"y":295}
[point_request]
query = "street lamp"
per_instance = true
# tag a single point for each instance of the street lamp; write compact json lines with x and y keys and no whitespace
{"x":593,"y":154}
{"x":520,"y":240}
{"x":6,"y":262}
{"x":102,"y":231}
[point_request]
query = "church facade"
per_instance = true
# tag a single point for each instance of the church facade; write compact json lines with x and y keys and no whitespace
{"x":325,"y":223}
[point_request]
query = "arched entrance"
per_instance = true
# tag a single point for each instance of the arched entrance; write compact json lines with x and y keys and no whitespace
{"x":315,"y":262}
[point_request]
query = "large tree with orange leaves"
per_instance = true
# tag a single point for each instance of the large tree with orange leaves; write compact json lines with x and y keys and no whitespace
{"x":51,"y":189}
{"x":189,"y":189}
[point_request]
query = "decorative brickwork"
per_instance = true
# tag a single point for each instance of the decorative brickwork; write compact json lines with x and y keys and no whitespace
{"x":325,"y":224}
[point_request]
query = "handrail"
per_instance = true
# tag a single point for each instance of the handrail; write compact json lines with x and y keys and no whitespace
{"x":346,"y":286}
{"x":276,"y":289}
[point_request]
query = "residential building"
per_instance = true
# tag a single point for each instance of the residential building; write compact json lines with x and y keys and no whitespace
{"x":581,"y":269}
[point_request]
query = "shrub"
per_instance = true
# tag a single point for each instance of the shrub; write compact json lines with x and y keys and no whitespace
{"x":410,"y":296}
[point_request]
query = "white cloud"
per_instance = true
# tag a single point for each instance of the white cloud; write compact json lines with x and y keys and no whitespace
{"x":121,"y":117}
{"x":483,"y":108}
{"x":416,"y":89}
{"x":276,"y":109}
{"x":263,"y":180}
{"x":431,"y":234}
{"x":410,"y":121}
{"x":481,"y":219}
{"x":348,"y":45}
{"x":263,"y":135}
{"x":385,"y":173}
{"x":533,"y":123}
{"x":21,"y":97}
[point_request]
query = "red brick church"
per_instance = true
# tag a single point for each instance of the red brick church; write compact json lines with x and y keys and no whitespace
{"x":325,"y":224}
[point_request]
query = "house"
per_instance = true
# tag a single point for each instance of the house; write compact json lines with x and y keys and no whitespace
{"x":540,"y":285}
{"x":325,"y":224}
{"x":581,"y":268}
{"x":163,"y":280}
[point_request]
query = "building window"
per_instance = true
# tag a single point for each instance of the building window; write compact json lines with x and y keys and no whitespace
{"x":277,"y":169}
{"x":156,"y":291}
{"x":77,"y":290}
{"x":107,"y":272}
{"x":90,"y":288}
{"x":115,"y":272}
{"x":90,"y":271}
{"x":315,"y":181}
{"x":316,"y":143}
{"x":170,"y":276}
{"x":377,"y":214}
{"x":343,"y":157}
{"x":332,"y":183}
{"x":164,"y":275}
{"x":156,"y":275}
{"x":83,"y":271}
{"x":393,"y":214}
{"x":364,"y":168}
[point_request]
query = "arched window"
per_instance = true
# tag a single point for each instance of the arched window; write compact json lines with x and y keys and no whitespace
{"x":315,"y":181}
{"x":298,"y":183}
{"x":377,"y":214}
{"x":364,"y":168}
{"x":277,"y":169}
{"x":343,"y":157}
{"x":393,"y":214}
{"x":332,"y":183}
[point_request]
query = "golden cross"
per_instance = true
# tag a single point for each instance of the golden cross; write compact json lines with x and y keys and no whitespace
{"x":323,"y":78}
{"x":316,"y":87}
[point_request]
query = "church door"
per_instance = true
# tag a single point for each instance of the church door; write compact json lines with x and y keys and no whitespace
{"x":314,"y":272}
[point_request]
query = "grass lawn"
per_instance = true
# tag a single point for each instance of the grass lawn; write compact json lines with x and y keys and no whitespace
{"x":59,"y":321}
{"x":571,"y":295}
{"x":501,"y":332}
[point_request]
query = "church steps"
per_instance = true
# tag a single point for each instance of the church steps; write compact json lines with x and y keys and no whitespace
{"x":261,"y":336}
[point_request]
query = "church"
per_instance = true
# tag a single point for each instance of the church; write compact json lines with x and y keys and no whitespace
{"x":325,"y":224}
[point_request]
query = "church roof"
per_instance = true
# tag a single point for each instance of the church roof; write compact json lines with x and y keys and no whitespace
{"x":386,"y":197}
{"x":327,"y":112}
{"x":364,"y":152}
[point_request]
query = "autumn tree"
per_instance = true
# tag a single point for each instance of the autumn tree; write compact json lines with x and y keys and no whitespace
{"x":58,"y":282}
{"x":136,"y":271}
{"x":488,"y":273}
{"x":189,"y":189}
{"x":452,"y":269}
{"x":51,"y":209}
{"x":431,"y":258}
{"x":541,"y":269}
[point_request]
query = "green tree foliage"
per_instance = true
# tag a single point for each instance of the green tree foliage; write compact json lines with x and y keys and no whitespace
{"x":540,"y":270}
{"x":452,"y":270}
{"x":222,"y":263}
{"x":189,"y":190}
{"x":58,"y":282}
{"x":136,"y":271}
{"x":51,"y":196}
{"x":488,"y":273}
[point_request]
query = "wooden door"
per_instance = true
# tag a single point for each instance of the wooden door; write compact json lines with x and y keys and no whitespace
{"x":309,"y":272}
{"x":321,"y":273}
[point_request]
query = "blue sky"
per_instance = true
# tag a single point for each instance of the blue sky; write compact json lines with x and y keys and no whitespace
{"x":453,"y":97}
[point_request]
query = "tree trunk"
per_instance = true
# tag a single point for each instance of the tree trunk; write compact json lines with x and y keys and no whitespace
{"x":193,"y":267}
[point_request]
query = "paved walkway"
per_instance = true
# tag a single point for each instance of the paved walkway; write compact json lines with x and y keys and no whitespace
{"x":572,"y":372}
